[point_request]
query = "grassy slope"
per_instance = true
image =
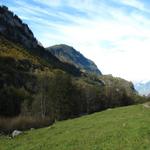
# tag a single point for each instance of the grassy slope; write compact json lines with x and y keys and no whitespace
{"x":125,"y":128}
{"x":9,"y":49}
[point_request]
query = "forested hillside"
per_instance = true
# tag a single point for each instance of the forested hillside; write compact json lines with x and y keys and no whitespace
{"x":35,"y":83}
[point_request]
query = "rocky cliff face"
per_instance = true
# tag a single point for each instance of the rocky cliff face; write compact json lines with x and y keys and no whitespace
{"x":15,"y":30}
{"x":68,"y":54}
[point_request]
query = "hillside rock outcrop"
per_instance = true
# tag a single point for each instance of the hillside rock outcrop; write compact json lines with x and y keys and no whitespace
{"x":15,"y":30}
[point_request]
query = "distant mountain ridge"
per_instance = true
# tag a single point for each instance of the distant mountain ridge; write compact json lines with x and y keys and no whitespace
{"x":68,"y":54}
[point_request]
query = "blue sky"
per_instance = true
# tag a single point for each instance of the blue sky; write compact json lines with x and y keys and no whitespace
{"x":115,"y":34}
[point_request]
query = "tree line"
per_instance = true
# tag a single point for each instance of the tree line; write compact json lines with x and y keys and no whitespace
{"x":61,"y":96}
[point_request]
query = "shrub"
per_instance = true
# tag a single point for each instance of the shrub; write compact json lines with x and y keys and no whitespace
{"x":7,"y":125}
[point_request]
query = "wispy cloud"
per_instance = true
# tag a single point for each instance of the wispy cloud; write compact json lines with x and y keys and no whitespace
{"x":114,"y":33}
{"x":51,"y":3}
{"x":133,"y":3}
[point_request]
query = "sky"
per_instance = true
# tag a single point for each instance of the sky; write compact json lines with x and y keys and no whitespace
{"x":115,"y":34}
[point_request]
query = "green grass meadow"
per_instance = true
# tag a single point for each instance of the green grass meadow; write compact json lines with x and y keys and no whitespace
{"x":125,"y":128}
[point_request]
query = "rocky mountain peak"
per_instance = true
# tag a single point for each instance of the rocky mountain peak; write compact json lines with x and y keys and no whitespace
{"x":12,"y":27}
{"x":68,"y":54}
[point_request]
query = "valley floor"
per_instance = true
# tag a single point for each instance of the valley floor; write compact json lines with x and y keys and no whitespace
{"x":125,"y":128}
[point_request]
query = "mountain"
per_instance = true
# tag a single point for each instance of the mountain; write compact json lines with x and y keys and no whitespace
{"x":33,"y":82}
{"x":13,"y":29}
{"x":69,"y":55}
{"x":143,"y":88}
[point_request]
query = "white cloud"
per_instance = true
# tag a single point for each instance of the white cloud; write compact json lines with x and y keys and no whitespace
{"x":128,"y":32}
{"x":133,"y":3}
{"x":53,"y":3}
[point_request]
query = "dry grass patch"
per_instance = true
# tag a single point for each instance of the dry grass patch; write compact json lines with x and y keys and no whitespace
{"x":7,"y":125}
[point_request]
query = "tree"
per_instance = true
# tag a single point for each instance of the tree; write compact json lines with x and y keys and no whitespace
{"x":10,"y":101}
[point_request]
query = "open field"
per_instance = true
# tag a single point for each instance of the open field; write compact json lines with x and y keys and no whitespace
{"x":125,"y":128}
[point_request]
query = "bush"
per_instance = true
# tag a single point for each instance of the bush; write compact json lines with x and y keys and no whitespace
{"x":10,"y":101}
{"x":7,"y":125}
